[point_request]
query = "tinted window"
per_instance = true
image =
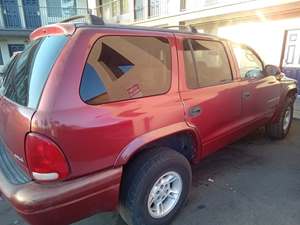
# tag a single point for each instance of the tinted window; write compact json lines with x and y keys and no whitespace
{"x":27,"y":77}
{"x":206,"y":63}
{"x":249,"y":64}
{"x":4,"y":75}
{"x":121,"y":68}
{"x":1,"y":59}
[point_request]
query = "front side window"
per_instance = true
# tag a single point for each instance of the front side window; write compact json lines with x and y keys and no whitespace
{"x":249,"y":64}
{"x":206,"y":63}
{"x":122,"y":67}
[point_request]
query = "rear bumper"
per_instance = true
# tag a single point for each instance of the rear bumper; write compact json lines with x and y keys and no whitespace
{"x":64,"y":202}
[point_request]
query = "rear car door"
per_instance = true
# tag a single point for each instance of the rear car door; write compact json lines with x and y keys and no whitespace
{"x":209,"y":91}
{"x":21,"y":90}
{"x":261,"y":93}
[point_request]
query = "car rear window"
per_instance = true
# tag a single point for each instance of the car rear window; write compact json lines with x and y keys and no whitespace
{"x":24,"y":82}
{"x":123,"y":67}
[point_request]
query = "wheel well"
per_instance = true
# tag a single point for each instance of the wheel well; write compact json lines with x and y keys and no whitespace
{"x":292,"y":93}
{"x":183,"y":142}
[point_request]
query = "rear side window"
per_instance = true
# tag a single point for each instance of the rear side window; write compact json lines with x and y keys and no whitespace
{"x":122,"y":67}
{"x":206,"y":63}
{"x":26,"y":79}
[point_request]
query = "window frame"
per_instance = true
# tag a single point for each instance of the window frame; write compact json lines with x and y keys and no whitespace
{"x":194,"y":62}
{"x":133,"y":36}
{"x":232,"y":44}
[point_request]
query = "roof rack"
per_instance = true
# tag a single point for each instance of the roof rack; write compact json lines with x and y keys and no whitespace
{"x":189,"y":28}
{"x":91,"y":19}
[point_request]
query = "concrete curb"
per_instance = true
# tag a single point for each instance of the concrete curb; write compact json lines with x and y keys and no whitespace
{"x":297,"y":108}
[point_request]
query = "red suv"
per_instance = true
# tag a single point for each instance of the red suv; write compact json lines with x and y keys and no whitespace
{"x":98,"y":117}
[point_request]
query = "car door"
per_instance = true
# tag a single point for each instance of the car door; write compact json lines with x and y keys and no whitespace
{"x":260,"y":92}
{"x":209,"y":91}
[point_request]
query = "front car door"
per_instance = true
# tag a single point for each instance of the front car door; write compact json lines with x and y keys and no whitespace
{"x":209,"y":91}
{"x":261,"y":92}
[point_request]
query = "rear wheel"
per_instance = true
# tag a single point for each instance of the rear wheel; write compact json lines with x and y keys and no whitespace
{"x":280,"y":129}
{"x":154,"y":187}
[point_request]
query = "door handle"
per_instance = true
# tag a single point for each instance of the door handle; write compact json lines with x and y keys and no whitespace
{"x":246,"y":94}
{"x":195,"y":111}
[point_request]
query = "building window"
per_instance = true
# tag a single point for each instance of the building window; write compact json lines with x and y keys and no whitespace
{"x":154,"y":7}
{"x":12,"y":48}
{"x":290,"y":54}
{"x":114,"y":8}
{"x":68,"y":7}
{"x":54,"y":8}
{"x":138,"y":9}
{"x":61,"y":8}
{"x":124,"y":6}
{"x":113,"y":71}
{"x":182,"y":5}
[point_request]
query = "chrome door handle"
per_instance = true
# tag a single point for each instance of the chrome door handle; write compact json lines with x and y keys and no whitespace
{"x":195,"y":111}
{"x":246,"y":94}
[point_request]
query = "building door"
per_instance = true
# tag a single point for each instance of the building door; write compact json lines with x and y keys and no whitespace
{"x":290,"y":60}
{"x":32,"y":13}
{"x":10,"y":12}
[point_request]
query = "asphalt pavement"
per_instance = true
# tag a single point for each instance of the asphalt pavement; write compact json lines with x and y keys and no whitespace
{"x":255,"y":181}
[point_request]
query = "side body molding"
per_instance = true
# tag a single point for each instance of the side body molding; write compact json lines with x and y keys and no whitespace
{"x":134,"y":146}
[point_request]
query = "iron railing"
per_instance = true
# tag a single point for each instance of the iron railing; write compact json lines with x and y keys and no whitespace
{"x":30,"y":17}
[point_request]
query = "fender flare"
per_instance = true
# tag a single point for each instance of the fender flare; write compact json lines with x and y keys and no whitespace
{"x":285,"y":91}
{"x":135,"y":145}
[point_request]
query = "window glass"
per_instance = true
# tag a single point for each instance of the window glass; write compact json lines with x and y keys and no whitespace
{"x":5,"y":71}
{"x":249,"y":64}
{"x":124,"y":6}
{"x":122,"y":67}
{"x":27,"y":77}
{"x":207,"y":64}
{"x":12,"y":48}
{"x":139,"y":9}
{"x":1,"y":59}
{"x":54,"y":8}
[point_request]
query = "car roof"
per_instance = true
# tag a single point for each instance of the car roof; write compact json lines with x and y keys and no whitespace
{"x":143,"y":28}
{"x":68,"y":28}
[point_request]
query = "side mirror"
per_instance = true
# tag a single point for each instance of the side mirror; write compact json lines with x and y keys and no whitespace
{"x":272,"y":70}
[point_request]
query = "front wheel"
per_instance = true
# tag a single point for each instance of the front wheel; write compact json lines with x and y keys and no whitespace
{"x":280,"y":129}
{"x":154,"y":188}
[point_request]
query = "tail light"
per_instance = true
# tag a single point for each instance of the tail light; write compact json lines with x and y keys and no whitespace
{"x":45,"y":159}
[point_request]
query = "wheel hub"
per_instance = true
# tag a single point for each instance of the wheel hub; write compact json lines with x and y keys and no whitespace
{"x":164,"y":194}
{"x":287,"y":119}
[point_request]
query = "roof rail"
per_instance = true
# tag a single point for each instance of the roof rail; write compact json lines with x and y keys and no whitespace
{"x":92,"y":19}
{"x":189,"y":28}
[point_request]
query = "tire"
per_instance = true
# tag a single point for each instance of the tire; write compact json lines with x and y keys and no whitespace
{"x":280,"y":129}
{"x":140,"y":177}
